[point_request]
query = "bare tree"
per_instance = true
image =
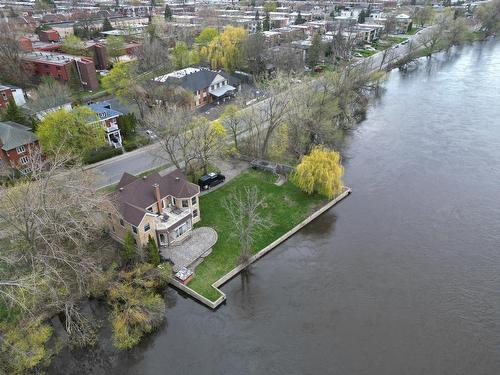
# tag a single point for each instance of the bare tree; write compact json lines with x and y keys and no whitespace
{"x":53,"y":224}
{"x":152,"y":56}
{"x":173,"y":126}
{"x":275,"y":108}
{"x":12,"y":68}
{"x":345,"y":38}
{"x":49,"y":94}
{"x":244,"y":208}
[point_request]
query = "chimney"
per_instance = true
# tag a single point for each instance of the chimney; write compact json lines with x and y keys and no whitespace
{"x":158,"y":196}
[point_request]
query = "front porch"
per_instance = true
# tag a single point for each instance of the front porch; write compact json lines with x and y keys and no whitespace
{"x":194,"y":247}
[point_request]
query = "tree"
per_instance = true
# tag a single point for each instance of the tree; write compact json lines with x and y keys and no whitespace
{"x":49,"y":94}
{"x":128,"y":251}
{"x":257,"y":15}
{"x":173,"y":126}
{"x":168,"y":13}
{"x":183,"y":57}
{"x":208,"y":140}
{"x":74,"y":82}
{"x":119,"y":79}
{"x":153,"y":55}
{"x":206,"y":36}
{"x":128,"y":124}
{"x":266,"y":25}
{"x":75,"y":132}
{"x":225,"y":50}
{"x":106,"y":25}
{"x":488,"y":16}
{"x":115,"y":46}
{"x":13,"y":113}
{"x":73,"y":45}
{"x":254,"y":51}
{"x":270,"y":6}
{"x":299,"y":20}
{"x":50,"y":256}
{"x":152,"y":252}
{"x":12,"y":68}
{"x":361,"y":16}
{"x":314,"y":52}
{"x":320,"y":172}
{"x":231,"y":118}
{"x":422,"y":15}
{"x":244,"y":209}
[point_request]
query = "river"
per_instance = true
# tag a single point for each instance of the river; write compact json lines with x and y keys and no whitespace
{"x":402,"y":277}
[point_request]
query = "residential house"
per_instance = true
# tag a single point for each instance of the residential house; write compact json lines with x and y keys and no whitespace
{"x":108,"y":119}
{"x":11,"y":92}
{"x":17,"y":144}
{"x":206,"y":85}
{"x":163,"y":207}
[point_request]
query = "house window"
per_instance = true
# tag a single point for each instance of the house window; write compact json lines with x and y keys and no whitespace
{"x":185,"y":203}
{"x":20,"y":149}
{"x":122,"y":223}
{"x":4,"y":96}
{"x":24,"y":160}
{"x":150,"y":208}
{"x":109,"y":215}
{"x":193,"y":200}
{"x":195,"y":213}
{"x":147,"y":227}
{"x":162,"y":203}
{"x":174,"y":202}
{"x":134,"y":229}
{"x":27,"y":170}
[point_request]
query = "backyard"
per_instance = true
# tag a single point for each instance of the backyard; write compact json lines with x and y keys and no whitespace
{"x":285,"y":207}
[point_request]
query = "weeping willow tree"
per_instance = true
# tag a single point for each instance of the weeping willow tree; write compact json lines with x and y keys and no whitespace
{"x":320,"y":172}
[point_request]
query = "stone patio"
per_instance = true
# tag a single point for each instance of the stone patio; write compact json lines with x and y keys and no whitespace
{"x":197,"y":245}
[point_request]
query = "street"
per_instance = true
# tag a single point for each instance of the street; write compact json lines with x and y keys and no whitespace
{"x":110,"y":171}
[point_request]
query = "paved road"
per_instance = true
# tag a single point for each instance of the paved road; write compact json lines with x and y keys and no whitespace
{"x":138,"y":161}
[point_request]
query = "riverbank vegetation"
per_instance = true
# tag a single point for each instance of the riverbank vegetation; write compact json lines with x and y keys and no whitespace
{"x":54,"y":257}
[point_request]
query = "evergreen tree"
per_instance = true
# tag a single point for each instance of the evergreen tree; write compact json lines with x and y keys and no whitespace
{"x":168,"y":13}
{"x":257,"y":15}
{"x":314,"y":52}
{"x":152,"y":252}
{"x":258,"y":27}
{"x":74,"y":81}
{"x":128,"y":250}
{"x":106,"y":25}
{"x":266,"y":25}
{"x":127,"y":123}
{"x":14,"y":114}
{"x":361,"y":17}
{"x":299,"y":20}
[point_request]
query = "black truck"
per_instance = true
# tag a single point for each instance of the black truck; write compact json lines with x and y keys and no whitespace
{"x":210,"y":180}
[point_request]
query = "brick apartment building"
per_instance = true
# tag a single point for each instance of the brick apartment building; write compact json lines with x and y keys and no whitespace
{"x":17,"y":144}
{"x":59,"y":66}
{"x":5,"y":95}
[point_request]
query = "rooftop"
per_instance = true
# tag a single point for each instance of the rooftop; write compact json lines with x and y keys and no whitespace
{"x":14,"y":135}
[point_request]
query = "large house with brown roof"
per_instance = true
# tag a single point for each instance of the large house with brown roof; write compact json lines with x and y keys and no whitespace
{"x":163,"y":207}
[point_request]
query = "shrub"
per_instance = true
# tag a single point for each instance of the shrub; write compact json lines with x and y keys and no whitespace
{"x":99,"y":154}
{"x":134,"y":143}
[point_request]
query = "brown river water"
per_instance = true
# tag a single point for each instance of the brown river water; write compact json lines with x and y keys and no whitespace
{"x":402,"y":277}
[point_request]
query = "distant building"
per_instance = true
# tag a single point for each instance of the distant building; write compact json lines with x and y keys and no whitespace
{"x":206,"y":85}
{"x":59,"y":66}
{"x":108,"y":119}
{"x":48,"y":36}
{"x":11,"y":92}
{"x":17,"y":143}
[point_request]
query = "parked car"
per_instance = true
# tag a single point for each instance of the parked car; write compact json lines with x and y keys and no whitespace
{"x":150,"y":134}
{"x":210,"y":180}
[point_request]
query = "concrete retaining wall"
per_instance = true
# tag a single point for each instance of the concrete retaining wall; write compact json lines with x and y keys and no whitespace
{"x":228,"y":276}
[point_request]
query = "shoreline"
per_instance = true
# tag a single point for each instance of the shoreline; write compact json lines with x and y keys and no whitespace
{"x":235,"y":271}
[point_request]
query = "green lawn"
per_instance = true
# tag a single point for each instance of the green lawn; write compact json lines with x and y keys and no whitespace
{"x":413,"y":31}
{"x":286,"y":206}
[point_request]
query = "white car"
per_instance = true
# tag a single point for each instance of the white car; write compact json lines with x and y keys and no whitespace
{"x":150,"y":134}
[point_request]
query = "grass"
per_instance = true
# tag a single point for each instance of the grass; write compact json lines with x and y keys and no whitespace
{"x":286,"y":206}
{"x":413,"y":31}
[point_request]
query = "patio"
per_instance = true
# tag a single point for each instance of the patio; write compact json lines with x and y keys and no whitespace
{"x":196,"y":245}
